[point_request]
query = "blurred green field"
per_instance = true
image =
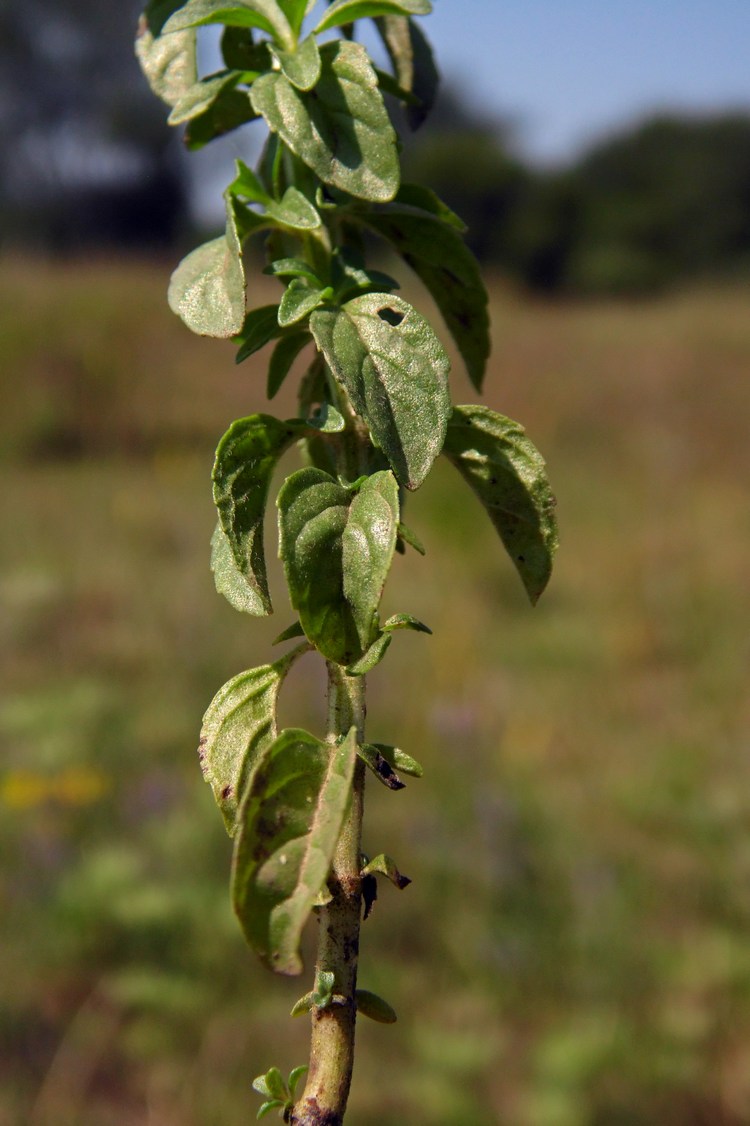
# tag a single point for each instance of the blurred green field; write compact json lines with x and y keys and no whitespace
{"x":575,"y":947}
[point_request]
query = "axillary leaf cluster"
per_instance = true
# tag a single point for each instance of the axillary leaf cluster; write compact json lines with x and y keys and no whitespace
{"x":374,"y":412}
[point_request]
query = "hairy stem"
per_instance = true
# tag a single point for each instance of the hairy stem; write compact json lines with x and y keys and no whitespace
{"x":332,"y":1044}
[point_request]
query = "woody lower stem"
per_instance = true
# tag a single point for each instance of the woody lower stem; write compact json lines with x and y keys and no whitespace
{"x":332,"y":1042}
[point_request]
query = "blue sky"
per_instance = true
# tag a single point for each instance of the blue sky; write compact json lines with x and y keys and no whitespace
{"x":567,"y":71}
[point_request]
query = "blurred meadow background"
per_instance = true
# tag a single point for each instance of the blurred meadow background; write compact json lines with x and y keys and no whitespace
{"x":575,"y":947}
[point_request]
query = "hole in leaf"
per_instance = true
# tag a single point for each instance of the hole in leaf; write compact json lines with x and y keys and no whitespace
{"x":391,"y":315}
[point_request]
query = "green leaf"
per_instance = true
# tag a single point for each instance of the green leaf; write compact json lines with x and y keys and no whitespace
{"x":157,"y":12}
{"x":294,"y":211}
{"x":395,"y":371}
{"x":282,"y":358}
{"x":389,"y":85}
{"x":167,"y":61}
{"x":413,"y":64}
{"x":240,"y":52}
{"x":299,"y":299}
{"x":294,"y":1077}
{"x":384,"y":865}
{"x":261,"y":325}
{"x":267,"y":1107}
{"x":292,"y":268}
{"x":246,"y":184}
{"x":349,"y":275}
{"x":230,"y":109}
{"x":380,"y":766}
{"x":302,"y":65}
{"x":327,"y":420}
{"x":229,"y":580}
{"x":294,"y":630}
{"x":371,"y":657}
{"x":303,"y":1006}
{"x":207,"y":290}
{"x":440,"y":258}
{"x":507,"y":473}
{"x":201,"y":96}
{"x":399,"y":759}
{"x":341,"y":130}
{"x":260,"y":1085}
{"x":337,"y":545}
{"x":410,"y":537}
{"x":263,"y":14}
{"x":347,"y":11}
{"x":245,"y":460}
{"x":405,"y":621}
{"x":295,"y":11}
{"x":374,"y":1007}
{"x":415,"y":195}
{"x":289,"y":826}
{"x":239,"y":724}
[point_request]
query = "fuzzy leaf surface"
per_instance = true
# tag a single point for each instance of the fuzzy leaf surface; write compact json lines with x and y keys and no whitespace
{"x":413,"y":64}
{"x":299,"y":299}
{"x":261,"y":325}
{"x":301,"y":66}
{"x":341,"y":130}
{"x":168,"y":62}
{"x":337,"y":545}
{"x":508,"y":474}
{"x":288,"y":828}
{"x":395,"y":371}
{"x":263,"y":14}
{"x":200,"y":96}
{"x":245,"y":460}
{"x":347,"y":11}
{"x":440,"y":258}
{"x":240,"y":722}
{"x":228,"y":111}
{"x":207,"y":290}
{"x":282,"y":358}
{"x":229,"y":580}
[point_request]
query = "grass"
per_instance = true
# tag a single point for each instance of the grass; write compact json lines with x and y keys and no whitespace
{"x":573,"y":950}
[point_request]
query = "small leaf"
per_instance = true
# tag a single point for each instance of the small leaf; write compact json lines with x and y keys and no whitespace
{"x":294,"y":1077}
{"x":260,"y":326}
{"x":380,"y":766}
{"x":341,"y":129}
{"x":167,"y":61}
{"x":327,"y":420}
{"x":413,"y":64}
{"x":199,"y":97}
{"x":324,"y":983}
{"x":207,"y":290}
{"x":405,"y":621}
{"x":415,"y":195}
{"x":292,"y":268}
{"x":303,"y":1006}
{"x":260,"y":1085}
{"x":438,"y":255}
{"x":389,"y":85}
{"x":267,"y":1107}
{"x":408,"y":536}
{"x":337,"y":545}
{"x":240,"y":722}
{"x":289,"y":826}
{"x":299,"y":300}
{"x":245,"y":460}
{"x":374,"y":1007}
{"x":386,"y":866}
{"x":282,"y":358}
{"x":371,"y":657}
{"x":240,"y":52}
{"x":398,"y":759}
{"x":395,"y":371}
{"x":292,"y":631}
{"x":276,"y":1085}
{"x":508,"y":474}
{"x":230,"y":109}
{"x":294,"y":210}
{"x":302,"y":65}
{"x":347,"y":11}
{"x":263,"y":14}
{"x":246,"y":184}
{"x":349,"y":275}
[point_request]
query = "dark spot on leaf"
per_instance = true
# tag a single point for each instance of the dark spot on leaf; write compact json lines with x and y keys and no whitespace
{"x":369,"y":894}
{"x":392,"y":316}
{"x":521,"y":558}
{"x":493,"y":480}
{"x":226,"y":792}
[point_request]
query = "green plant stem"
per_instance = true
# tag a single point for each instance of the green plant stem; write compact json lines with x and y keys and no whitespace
{"x":332,"y":1042}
